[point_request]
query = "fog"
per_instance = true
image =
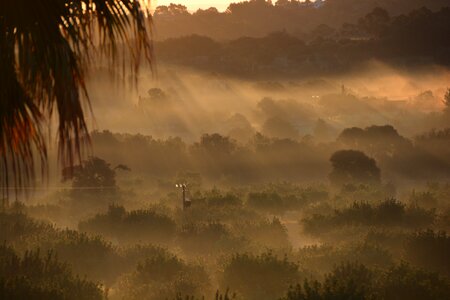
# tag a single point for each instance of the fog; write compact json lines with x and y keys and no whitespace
{"x":185,"y":103}
{"x":261,"y":168}
{"x":294,"y":182}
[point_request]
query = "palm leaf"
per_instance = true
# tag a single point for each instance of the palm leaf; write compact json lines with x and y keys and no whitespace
{"x":45,"y":48}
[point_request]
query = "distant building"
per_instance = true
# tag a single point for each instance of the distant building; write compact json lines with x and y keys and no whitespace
{"x":318,"y":3}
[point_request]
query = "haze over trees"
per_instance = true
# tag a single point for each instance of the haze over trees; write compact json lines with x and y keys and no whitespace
{"x":354,"y":167}
{"x":415,"y":38}
{"x":311,"y":141}
{"x":249,"y":18}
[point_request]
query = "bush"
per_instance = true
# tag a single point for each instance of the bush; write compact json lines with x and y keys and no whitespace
{"x":88,"y":256}
{"x":229,"y":199}
{"x":355,"y":281}
{"x":23,"y":232}
{"x":346,"y":281}
{"x":208,"y":239}
{"x":41,"y":277}
{"x":404,"y":282}
{"x":280,"y":197}
{"x":387,"y":213}
{"x":322,"y":258}
{"x":226,"y":214}
{"x":259,"y":277}
{"x":134,"y":254}
{"x":266,"y":233}
{"x":393,"y":240}
{"x":266,"y":201}
{"x":350,"y":193}
{"x":131,"y":227}
{"x":430,"y":250}
{"x":164,"y":276}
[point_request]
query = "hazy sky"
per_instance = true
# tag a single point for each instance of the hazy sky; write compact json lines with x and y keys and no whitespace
{"x":193,"y":5}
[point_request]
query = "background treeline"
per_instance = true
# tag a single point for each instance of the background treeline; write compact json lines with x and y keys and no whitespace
{"x":257,"y":18}
{"x":419,"y":37}
{"x":219,"y":158}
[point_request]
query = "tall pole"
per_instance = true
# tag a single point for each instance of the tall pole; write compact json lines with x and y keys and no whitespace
{"x":186,"y":202}
{"x":184,"y":196}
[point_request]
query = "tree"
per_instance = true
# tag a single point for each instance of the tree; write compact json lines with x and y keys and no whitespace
{"x":375,"y":22}
{"x":281,"y":128}
{"x":447,"y":101}
{"x":41,"y":276}
{"x":45,"y":48}
{"x":351,"y":166}
{"x":94,"y":172}
{"x":216,"y":144}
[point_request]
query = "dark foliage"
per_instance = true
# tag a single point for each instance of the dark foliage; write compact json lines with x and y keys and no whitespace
{"x":37,"y":276}
{"x":350,"y":166}
{"x":429,"y":250}
{"x":132,"y":226}
{"x":259,"y":277}
{"x":387,"y":213}
{"x":354,"y":281}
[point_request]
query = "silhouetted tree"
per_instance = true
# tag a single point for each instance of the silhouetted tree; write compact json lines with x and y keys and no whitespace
{"x":375,"y":22}
{"x":45,"y":48}
{"x":350,"y":166}
{"x":92,"y":173}
{"x":215,"y":144}
{"x":447,"y":101}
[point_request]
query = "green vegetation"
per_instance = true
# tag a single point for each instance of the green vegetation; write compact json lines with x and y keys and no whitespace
{"x":388,"y":213}
{"x":164,"y":276}
{"x":41,"y":276}
{"x":259,"y":277}
{"x":130,"y":227}
{"x":355,"y":281}
{"x":233,"y":240}
{"x":267,"y":135}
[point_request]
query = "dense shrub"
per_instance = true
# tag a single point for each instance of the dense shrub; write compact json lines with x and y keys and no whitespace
{"x":164,"y":276}
{"x":266,"y":233}
{"x":36,"y":276}
{"x":350,"y":193}
{"x":88,"y":256}
{"x":355,"y":281}
{"x":278,"y":198}
{"x":23,"y":232}
{"x":268,"y":201}
{"x":430,"y":250}
{"x":259,"y":277}
{"x":225,"y":214}
{"x":134,"y":254}
{"x":426,"y":199}
{"x":315,"y":193}
{"x":386,"y":213}
{"x":346,"y":281}
{"x":435,"y":195}
{"x":217,"y":199}
{"x":132,"y":226}
{"x":324,"y":257}
{"x":404,"y":282}
{"x":283,"y":196}
{"x":393,"y":240}
{"x":209,"y":238}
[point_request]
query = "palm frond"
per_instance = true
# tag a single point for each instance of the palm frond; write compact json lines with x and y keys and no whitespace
{"x":46,"y":46}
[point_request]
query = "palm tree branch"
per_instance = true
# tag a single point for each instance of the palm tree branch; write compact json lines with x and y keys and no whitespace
{"x":46,"y":49}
